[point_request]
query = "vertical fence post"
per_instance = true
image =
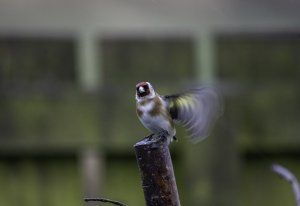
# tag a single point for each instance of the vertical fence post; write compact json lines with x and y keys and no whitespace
{"x":156,"y":168}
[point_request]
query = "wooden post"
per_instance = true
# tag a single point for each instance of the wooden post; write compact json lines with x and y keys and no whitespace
{"x":155,"y":164}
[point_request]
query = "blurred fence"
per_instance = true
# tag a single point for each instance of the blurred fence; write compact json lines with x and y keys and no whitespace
{"x":60,"y":143}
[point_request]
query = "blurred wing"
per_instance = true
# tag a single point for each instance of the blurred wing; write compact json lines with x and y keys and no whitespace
{"x":197,"y":110}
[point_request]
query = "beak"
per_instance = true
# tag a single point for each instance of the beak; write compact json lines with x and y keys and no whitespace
{"x":141,"y":90}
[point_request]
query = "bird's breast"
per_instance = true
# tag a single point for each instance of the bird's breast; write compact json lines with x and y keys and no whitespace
{"x":145,"y":107}
{"x":155,"y":123}
{"x":154,"y":116}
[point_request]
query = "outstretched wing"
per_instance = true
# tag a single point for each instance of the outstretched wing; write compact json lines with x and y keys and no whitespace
{"x":197,"y":110}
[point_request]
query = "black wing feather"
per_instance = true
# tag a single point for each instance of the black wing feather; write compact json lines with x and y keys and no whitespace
{"x":197,"y":110}
{"x":173,"y":109}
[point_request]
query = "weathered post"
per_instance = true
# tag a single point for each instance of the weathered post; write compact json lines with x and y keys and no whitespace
{"x":156,"y":168}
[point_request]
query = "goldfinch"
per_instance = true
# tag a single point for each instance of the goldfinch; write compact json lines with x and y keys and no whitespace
{"x":196,"y":110}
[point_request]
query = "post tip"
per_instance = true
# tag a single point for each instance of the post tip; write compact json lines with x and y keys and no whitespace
{"x":153,"y":140}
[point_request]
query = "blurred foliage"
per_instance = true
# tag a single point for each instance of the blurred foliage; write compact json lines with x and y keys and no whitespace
{"x":258,"y":186}
{"x":42,"y":117}
{"x":265,"y":68}
{"x":35,"y":181}
{"x":259,"y":59}
{"x":263,"y":107}
{"x":159,"y":61}
{"x":28,"y":60}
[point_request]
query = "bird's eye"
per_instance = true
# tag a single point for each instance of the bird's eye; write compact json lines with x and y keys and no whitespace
{"x":143,"y":90}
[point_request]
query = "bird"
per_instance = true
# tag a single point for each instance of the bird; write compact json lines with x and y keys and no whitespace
{"x":196,"y":110}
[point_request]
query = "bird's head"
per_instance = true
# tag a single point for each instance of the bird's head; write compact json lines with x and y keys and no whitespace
{"x":144,"y":90}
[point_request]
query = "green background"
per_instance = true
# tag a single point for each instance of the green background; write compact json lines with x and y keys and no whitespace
{"x":47,"y":120}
